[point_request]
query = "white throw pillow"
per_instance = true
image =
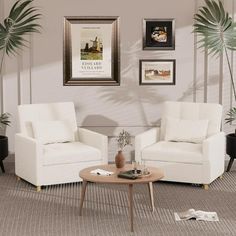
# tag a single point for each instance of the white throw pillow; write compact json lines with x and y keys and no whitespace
{"x":52,"y":131}
{"x":193,"y":131}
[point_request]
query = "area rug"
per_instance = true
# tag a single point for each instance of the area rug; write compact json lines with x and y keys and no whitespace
{"x":54,"y":210}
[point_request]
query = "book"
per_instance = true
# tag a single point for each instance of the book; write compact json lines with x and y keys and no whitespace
{"x":129,"y":174}
{"x":101,"y":172}
{"x":192,"y":214}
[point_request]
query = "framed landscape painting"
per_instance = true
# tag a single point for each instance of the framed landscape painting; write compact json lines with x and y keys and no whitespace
{"x":157,"y":72}
{"x":91,"y":51}
{"x":158,"y":34}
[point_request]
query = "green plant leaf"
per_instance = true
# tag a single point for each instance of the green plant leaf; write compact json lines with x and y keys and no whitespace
{"x":231,"y":115}
{"x":20,"y":22}
{"x":217,"y":33}
{"x":5,"y":119}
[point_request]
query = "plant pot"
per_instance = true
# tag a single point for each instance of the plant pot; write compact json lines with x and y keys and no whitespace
{"x":231,"y":148}
{"x":3,"y":150}
{"x":120,"y":160}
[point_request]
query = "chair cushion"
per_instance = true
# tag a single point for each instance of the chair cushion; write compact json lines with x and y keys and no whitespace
{"x":193,"y":131}
{"x":56,"y":131}
{"x":68,"y":153}
{"x":193,"y":111}
{"x":180,"y":152}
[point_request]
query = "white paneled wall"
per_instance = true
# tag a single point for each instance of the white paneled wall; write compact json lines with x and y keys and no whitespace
{"x":38,"y":71}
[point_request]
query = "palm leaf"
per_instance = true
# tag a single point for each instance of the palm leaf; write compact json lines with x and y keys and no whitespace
{"x":218,"y":34}
{"x":20,"y":22}
{"x":231,"y":115}
{"x":5,"y":119}
{"x":214,"y":24}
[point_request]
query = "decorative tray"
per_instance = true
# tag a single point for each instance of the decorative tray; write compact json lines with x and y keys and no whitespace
{"x":139,"y":174}
{"x":132,"y":174}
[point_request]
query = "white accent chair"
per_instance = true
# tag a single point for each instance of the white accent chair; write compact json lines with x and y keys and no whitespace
{"x":58,"y":162}
{"x":198,"y":163}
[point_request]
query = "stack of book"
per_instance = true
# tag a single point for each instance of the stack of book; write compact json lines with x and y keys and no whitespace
{"x":130,"y":174}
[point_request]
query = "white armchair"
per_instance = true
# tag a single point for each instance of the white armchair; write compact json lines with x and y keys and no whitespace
{"x":197,"y":159}
{"x":50,"y":149}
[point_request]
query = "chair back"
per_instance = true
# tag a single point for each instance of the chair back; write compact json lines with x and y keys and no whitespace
{"x":193,"y":111}
{"x":29,"y":113}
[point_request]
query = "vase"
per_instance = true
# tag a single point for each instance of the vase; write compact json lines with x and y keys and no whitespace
{"x":120,"y":160}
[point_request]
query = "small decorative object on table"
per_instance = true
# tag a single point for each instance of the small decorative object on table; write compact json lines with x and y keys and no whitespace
{"x":129,"y":174}
{"x":123,"y":140}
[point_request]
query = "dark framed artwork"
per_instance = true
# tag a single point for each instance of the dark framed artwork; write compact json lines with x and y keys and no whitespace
{"x":158,"y":34}
{"x":91,"y":51}
{"x":157,"y":72}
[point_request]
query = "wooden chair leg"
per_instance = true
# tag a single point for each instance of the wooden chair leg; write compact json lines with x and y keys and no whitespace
{"x":38,"y":188}
{"x":206,"y":186}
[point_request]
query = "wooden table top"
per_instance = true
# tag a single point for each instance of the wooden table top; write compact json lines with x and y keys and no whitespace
{"x":156,"y":174}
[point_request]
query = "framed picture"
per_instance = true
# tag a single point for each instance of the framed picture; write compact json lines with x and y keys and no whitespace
{"x":157,"y":72}
{"x":158,"y":34}
{"x":91,"y":51}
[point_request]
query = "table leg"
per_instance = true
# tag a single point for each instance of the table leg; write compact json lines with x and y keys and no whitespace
{"x":84,"y":185}
{"x":131,"y":207}
{"x":151,"y":195}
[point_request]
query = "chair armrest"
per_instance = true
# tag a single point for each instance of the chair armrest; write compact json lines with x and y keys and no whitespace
{"x":95,"y":140}
{"x":28,"y":156}
{"x":214,"y":147}
{"x":145,"y":139}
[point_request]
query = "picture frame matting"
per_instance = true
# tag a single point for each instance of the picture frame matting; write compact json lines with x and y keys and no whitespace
{"x":91,"y":51}
{"x":157,"y":72}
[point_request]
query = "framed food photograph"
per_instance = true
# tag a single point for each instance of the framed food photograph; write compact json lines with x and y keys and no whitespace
{"x":158,"y":34}
{"x":91,"y":51}
{"x":157,"y":72}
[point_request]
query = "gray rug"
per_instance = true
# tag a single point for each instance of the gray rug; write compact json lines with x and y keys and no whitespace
{"x":54,"y":211}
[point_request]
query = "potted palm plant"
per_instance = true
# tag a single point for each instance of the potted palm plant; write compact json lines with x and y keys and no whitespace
{"x":218,"y":33}
{"x":20,"y":22}
{"x":4,"y":121}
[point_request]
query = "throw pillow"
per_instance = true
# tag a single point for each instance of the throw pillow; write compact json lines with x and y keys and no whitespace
{"x":193,"y":131}
{"x":52,"y":131}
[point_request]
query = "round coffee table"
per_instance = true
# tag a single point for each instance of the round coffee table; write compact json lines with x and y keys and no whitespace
{"x":156,"y":174}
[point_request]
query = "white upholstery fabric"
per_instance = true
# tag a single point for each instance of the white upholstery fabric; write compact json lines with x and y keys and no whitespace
{"x":193,"y":131}
{"x":181,"y":161}
{"x":67,"y":153}
{"x":45,"y":112}
{"x":193,"y":111}
{"x":59,"y":162}
{"x":52,"y":131}
{"x":174,"y":152}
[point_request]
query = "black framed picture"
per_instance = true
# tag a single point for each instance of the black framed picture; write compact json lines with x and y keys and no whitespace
{"x":91,"y":51}
{"x":157,"y":72}
{"x":158,"y":34}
